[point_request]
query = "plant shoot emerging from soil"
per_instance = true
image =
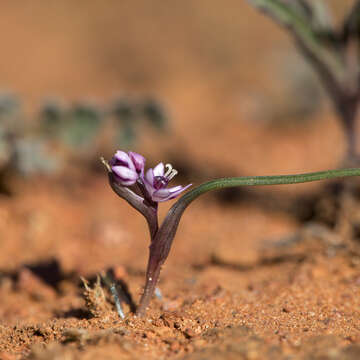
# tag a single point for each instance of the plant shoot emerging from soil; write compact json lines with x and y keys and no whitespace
{"x":144,"y":190}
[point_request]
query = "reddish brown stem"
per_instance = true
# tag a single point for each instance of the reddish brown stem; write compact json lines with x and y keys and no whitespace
{"x":159,"y":250}
{"x":152,"y":278}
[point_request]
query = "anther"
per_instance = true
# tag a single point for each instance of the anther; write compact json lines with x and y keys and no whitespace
{"x":169,"y":170}
{"x":172,"y":174}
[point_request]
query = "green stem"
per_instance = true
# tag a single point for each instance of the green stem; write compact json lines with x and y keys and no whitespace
{"x":161,"y":244}
{"x":265,"y":180}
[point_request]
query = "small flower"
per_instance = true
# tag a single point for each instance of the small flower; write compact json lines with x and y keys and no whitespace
{"x":127,"y":167}
{"x":156,"y":181}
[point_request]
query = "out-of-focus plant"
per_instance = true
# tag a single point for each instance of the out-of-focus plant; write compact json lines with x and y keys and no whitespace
{"x":80,"y":124}
{"x":20,"y":148}
{"x":76,"y":126}
{"x":333,"y":52}
{"x":298,"y":95}
{"x":128,"y":117}
{"x":26,"y":144}
{"x":145,"y":190}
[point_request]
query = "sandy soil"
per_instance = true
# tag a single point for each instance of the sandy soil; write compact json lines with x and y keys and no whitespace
{"x":230,"y":290}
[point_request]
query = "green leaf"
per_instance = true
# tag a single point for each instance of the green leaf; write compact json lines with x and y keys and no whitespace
{"x":51,"y":117}
{"x":9,"y":105}
{"x":124,"y":111}
{"x":32,"y":156}
{"x":167,"y":231}
{"x":81,"y":125}
{"x":125,"y":136}
{"x":154,"y":114}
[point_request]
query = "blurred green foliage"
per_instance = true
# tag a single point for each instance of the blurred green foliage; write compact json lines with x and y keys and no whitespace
{"x":26,"y":145}
{"x":75,"y":127}
{"x":333,"y":51}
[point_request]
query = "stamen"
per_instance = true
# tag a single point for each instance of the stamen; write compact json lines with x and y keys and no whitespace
{"x":169,"y":170}
{"x":172,"y":174}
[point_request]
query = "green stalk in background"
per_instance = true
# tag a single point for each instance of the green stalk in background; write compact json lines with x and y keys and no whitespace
{"x":334,"y":53}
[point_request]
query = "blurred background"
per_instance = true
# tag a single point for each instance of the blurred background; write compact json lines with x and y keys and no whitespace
{"x":216,"y":89}
{"x":220,"y":87}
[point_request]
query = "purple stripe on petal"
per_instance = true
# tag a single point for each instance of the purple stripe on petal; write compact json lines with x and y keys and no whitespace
{"x":122,"y":158}
{"x":175,"y":188}
{"x":161,"y":195}
{"x":125,"y":175}
{"x":176,"y":193}
{"x":168,"y":194}
{"x":186,"y":187}
{"x":138,"y":160}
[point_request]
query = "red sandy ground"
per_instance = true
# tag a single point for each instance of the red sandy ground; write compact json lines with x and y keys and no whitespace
{"x":228,"y":294}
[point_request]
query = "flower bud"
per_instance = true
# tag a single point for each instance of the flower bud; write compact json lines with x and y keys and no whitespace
{"x":127,"y":167}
